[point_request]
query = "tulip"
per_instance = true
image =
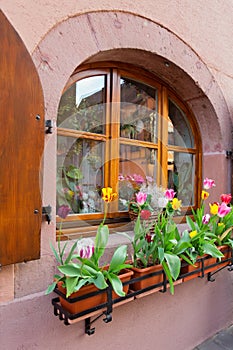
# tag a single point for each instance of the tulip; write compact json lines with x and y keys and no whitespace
{"x":169,"y":194}
{"x":107,"y":194}
{"x":145,"y":214}
{"x":63,"y":211}
{"x":214,"y":208}
{"x":176,"y":204}
{"x":193,"y":234}
{"x":204,"y":195}
{"x":223,"y":210}
{"x":206,"y":219}
{"x":141,"y":198}
{"x":208,"y":183}
{"x":85,"y":248}
{"x":138,"y":179}
{"x":226,"y":198}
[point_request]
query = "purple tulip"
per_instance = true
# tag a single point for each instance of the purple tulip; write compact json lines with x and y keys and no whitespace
{"x":63,"y":211}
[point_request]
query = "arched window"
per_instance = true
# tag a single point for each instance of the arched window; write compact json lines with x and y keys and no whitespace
{"x":116,"y":122}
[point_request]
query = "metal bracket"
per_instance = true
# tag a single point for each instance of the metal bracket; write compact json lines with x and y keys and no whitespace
{"x":47,"y":212}
{"x":49,"y":125}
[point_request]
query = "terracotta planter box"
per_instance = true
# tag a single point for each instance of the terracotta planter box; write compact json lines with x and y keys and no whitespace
{"x":92,"y":301}
{"x":207,"y":260}
{"x":139,"y":272}
{"x":227,"y":252}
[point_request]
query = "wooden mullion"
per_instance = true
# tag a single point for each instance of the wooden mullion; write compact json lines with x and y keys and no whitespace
{"x":115,"y":136}
{"x":164,"y":138}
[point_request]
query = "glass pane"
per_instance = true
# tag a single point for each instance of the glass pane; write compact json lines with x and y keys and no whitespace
{"x":179,"y":132}
{"x":136,"y":163}
{"x":82,"y":106}
{"x":80,"y":174}
{"x":138,"y":111}
{"x":181,"y":176}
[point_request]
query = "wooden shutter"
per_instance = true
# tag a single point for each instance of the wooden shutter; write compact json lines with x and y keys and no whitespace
{"x":21,"y":149}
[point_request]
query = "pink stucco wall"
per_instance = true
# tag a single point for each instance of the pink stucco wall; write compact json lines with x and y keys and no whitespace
{"x":61,"y":37}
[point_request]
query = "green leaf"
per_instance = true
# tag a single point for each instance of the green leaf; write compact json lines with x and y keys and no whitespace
{"x":72,"y":270}
{"x":118,"y":258}
{"x":190,"y":223}
{"x":161,"y":254}
{"x":212,"y":250}
{"x":100,"y":281}
{"x":50,"y":288}
{"x":55,"y":253}
{"x":173,"y":262}
{"x":116,"y":284}
{"x":101,"y":241}
{"x":71,"y":283}
{"x":169,"y":277}
{"x":70,"y":253}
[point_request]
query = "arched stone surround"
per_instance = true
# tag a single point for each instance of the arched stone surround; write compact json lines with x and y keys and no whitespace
{"x":129,"y":38}
{"x":124,"y":37}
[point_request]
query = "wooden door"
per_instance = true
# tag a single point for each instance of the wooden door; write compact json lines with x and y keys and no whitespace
{"x":21,"y":149}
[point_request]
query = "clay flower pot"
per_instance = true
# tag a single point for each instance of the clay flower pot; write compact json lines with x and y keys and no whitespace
{"x":92,"y":301}
{"x":139,"y":272}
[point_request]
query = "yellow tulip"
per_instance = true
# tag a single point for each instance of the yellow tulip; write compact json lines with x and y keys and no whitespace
{"x":204,"y":195}
{"x":214,"y":208}
{"x":176,"y":204}
{"x":193,"y":234}
{"x":107,"y":194}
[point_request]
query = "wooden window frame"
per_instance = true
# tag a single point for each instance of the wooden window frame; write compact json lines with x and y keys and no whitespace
{"x":114,"y":72}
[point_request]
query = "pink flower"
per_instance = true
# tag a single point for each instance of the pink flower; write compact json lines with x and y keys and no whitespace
{"x":121,"y":177}
{"x":138,"y":178}
{"x":169,"y":194}
{"x":223,"y":210}
{"x":145,"y":214}
{"x":206,"y":218}
{"x":149,"y":179}
{"x":141,"y":198}
{"x":226,"y":198}
{"x":208,"y":183}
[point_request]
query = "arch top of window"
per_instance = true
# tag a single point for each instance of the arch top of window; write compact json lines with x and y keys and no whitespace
{"x":103,"y":104}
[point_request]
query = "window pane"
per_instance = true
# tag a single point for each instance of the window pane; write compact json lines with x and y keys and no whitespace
{"x":181,"y":176}
{"x":179,"y":132}
{"x":80,"y":174}
{"x":82,"y":106}
{"x":136,"y":162}
{"x":138,"y":111}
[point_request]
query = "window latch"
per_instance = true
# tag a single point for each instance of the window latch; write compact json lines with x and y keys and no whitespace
{"x":47,"y":211}
{"x":49,"y":126}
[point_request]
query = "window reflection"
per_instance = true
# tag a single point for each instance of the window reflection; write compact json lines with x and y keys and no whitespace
{"x":79,"y":174}
{"x":181,"y":176}
{"x":179,"y":133}
{"x":138,"y":111}
{"x":136,"y":162}
{"x":82,"y":106}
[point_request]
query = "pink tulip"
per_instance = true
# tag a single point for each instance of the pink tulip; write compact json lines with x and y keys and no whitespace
{"x":141,"y":198}
{"x":208,"y":183}
{"x":169,"y":194}
{"x":138,"y":179}
{"x":223,"y":210}
{"x":226,"y":198}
